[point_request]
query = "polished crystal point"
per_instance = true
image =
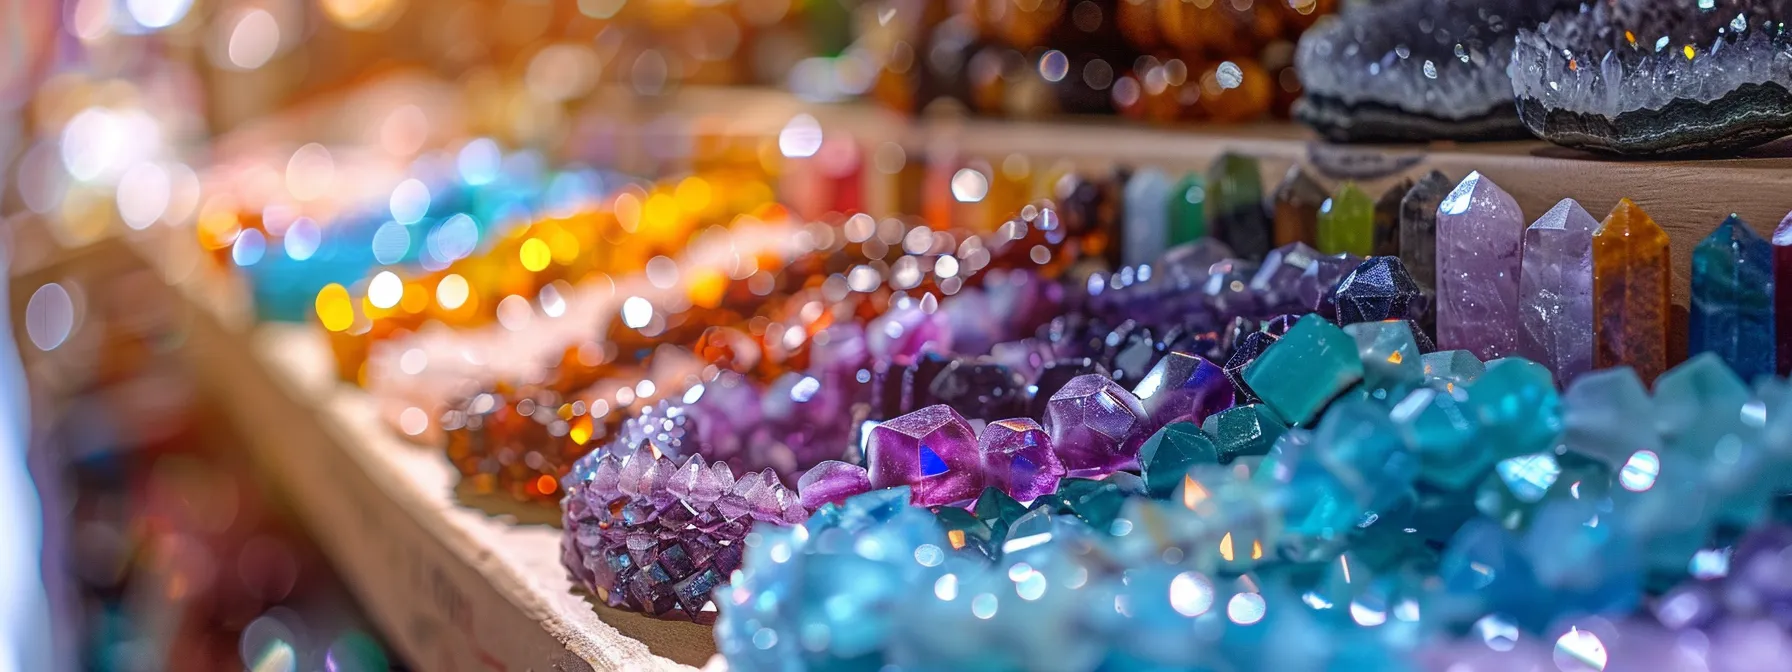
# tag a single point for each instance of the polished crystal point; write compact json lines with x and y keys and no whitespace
{"x":1347,"y":222}
{"x":1480,"y":232}
{"x":932,"y":450}
{"x":1147,"y":211}
{"x":1169,"y":453}
{"x":1304,"y":369}
{"x":1095,"y":425}
{"x":1732,"y":299}
{"x":1631,"y":272}
{"x":1418,"y":227}
{"x":1782,"y":301}
{"x":1235,"y":205}
{"x":1183,"y":387}
{"x":1556,"y":291}
{"x":1017,"y":458}
{"x":1387,"y":218}
{"x":1296,"y":204}
{"x":1187,"y":209}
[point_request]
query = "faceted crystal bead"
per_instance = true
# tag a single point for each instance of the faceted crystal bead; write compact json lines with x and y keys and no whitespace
{"x":1054,"y":377}
{"x":1169,"y":453}
{"x":1245,"y":351}
{"x":903,"y":333}
{"x":1305,"y":369}
{"x":1631,"y":272}
{"x":1452,"y":368}
{"x":932,"y":450}
{"x":1732,"y":299}
{"x":1235,"y":205}
{"x":1601,"y":412}
{"x":1347,"y":222}
{"x":1390,"y":356}
{"x":999,"y":511}
{"x":1782,"y":301}
{"x":965,"y":532}
{"x":1387,"y":219}
{"x":1133,"y":350}
{"x":1442,"y":430}
{"x":831,"y":482}
{"x":1555,"y":291}
{"x":980,"y":390}
{"x":1517,"y":406}
{"x":1378,"y":289}
{"x":1183,"y":387}
{"x":1318,"y":510}
{"x":1297,"y":200}
{"x":1147,"y":211}
{"x":1017,"y":458}
{"x":1480,"y":231}
{"x":1094,"y":502}
{"x":1188,"y":209}
{"x":1095,"y":425}
{"x":1278,"y":280}
{"x":1418,"y":227}
{"x":1239,"y":526}
{"x":1243,"y":431}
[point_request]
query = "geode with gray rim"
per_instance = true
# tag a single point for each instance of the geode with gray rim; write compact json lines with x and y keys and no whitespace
{"x":1643,"y":78}
{"x":1413,"y":70}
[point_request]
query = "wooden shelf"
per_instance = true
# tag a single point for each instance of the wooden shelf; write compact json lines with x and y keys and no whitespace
{"x":453,"y":587}
{"x":1688,"y":198}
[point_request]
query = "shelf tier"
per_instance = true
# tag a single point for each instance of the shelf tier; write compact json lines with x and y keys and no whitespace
{"x":452,"y":586}
{"x":1688,"y":198}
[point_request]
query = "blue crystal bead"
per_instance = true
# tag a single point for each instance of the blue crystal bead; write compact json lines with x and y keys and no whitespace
{"x":1603,"y":414}
{"x":1444,"y":433}
{"x":1732,"y":299}
{"x":1169,"y":453}
{"x":1243,"y":431}
{"x":1517,"y":406}
{"x":1304,"y":369}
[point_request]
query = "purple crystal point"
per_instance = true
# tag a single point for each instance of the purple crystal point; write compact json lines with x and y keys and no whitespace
{"x":932,"y":450}
{"x":1556,"y":291}
{"x":1017,"y":459}
{"x":832,"y":482}
{"x":1096,"y":425}
{"x":1480,"y":232}
{"x":1183,"y":387}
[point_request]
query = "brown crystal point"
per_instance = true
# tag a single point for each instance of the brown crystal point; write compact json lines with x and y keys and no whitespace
{"x":1631,"y":271}
{"x":1297,"y":200}
{"x":1387,"y":219}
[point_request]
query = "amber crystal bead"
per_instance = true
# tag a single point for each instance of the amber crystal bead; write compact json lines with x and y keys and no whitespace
{"x":1631,"y":272}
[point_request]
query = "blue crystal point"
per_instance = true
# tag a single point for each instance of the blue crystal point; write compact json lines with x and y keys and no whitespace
{"x":1732,"y":299}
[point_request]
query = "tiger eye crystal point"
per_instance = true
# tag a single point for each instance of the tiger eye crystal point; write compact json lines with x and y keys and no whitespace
{"x":1631,"y":271}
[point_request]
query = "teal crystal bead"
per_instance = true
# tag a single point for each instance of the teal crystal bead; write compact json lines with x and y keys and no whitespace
{"x":1359,"y":444}
{"x":1517,"y":406}
{"x":1244,"y":431}
{"x":1440,"y":428}
{"x":1390,"y":356}
{"x":1732,"y":299}
{"x":1094,"y":502}
{"x":1303,"y":370}
{"x":1452,"y":368}
{"x":999,"y":511}
{"x":965,"y":531}
{"x":1319,"y":509}
{"x":1169,"y":453}
{"x":1237,"y":523}
{"x":1516,"y":487}
{"x":1604,"y":416}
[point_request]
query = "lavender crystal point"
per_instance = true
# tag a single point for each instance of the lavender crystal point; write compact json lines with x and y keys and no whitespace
{"x":932,"y":450}
{"x":1556,"y":291}
{"x":1095,"y":425}
{"x":1183,"y":387}
{"x":1480,"y":232}
{"x":1018,"y":459}
{"x":832,"y":482}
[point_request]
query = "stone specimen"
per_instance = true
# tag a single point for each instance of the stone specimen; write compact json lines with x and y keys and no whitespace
{"x":1347,"y":222}
{"x":1653,"y":78}
{"x":1418,"y":227}
{"x":1146,"y":229}
{"x":1095,"y":425}
{"x":932,"y":450}
{"x":1631,"y":271}
{"x":1296,"y":204}
{"x":1387,"y":218}
{"x":1732,"y":299}
{"x":1187,"y":209}
{"x":1480,"y":233}
{"x":1235,"y":206}
{"x":1556,"y":291}
{"x":1415,"y":70}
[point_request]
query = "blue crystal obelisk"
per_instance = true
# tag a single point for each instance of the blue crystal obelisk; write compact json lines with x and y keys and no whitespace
{"x":1732,"y":299}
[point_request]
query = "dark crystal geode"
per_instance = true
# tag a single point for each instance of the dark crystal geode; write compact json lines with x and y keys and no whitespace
{"x":1413,"y":70}
{"x":1658,"y":78}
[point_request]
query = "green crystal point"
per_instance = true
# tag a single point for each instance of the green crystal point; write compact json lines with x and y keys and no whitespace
{"x":1347,"y":222}
{"x":1188,"y":209}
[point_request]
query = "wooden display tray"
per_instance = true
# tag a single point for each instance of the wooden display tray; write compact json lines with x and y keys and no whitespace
{"x":452,"y":587}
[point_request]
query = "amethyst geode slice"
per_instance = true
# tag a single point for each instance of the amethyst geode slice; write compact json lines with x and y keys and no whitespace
{"x":1411,"y":70}
{"x":1642,"y":78}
